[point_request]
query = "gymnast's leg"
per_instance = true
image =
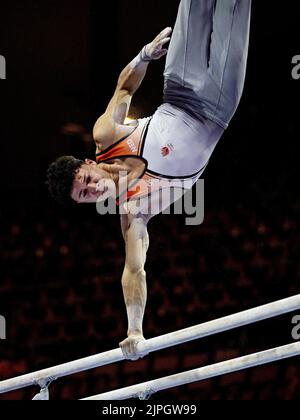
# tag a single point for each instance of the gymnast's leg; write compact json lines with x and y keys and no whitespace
{"x":228,"y":60}
{"x":206,"y":63}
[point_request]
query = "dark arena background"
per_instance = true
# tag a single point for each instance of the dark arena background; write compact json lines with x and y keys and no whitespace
{"x":61,"y":268}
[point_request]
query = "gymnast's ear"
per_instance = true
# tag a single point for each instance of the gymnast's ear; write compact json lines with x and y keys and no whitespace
{"x":90,"y":162}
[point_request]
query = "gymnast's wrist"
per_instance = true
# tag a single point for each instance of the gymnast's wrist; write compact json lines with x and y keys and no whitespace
{"x":135,"y":333}
{"x":144,"y":55}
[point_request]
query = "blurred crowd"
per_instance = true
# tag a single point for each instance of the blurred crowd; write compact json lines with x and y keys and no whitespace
{"x":60,"y":291}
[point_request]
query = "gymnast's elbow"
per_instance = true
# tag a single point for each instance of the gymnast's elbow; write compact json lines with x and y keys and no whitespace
{"x":133,"y":273}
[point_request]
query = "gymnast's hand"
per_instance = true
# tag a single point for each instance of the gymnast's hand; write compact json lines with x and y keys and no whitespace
{"x":129,"y":347}
{"x":155,"y":49}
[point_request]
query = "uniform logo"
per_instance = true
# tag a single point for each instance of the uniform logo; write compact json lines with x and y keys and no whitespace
{"x":167,"y":150}
{"x":132,"y":146}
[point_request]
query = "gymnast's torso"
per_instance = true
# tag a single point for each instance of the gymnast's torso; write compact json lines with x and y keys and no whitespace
{"x":173,"y":148}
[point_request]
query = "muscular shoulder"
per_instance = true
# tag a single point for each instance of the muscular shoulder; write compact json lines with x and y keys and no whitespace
{"x":108,"y":132}
{"x":136,"y":222}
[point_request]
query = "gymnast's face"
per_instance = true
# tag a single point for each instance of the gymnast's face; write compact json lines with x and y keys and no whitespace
{"x":92,"y":184}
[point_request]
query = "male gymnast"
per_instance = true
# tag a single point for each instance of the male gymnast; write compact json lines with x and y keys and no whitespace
{"x":204,"y":79}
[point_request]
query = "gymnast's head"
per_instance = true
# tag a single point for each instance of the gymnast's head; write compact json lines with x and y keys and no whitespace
{"x":70,"y":179}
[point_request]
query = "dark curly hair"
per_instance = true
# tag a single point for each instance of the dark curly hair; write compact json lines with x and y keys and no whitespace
{"x":60,"y":177}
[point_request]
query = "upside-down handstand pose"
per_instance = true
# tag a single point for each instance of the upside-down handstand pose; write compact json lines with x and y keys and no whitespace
{"x":204,"y":79}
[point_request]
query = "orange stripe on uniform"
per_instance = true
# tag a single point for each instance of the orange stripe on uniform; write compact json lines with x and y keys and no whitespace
{"x":129,"y":146}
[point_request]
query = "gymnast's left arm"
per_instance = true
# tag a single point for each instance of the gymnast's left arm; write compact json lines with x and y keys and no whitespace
{"x":134,"y":283}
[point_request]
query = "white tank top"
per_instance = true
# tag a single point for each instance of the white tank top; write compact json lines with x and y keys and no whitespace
{"x":177,"y":145}
{"x":174,"y":146}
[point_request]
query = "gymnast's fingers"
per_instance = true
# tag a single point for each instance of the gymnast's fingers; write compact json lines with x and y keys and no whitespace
{"x":164,"y":41}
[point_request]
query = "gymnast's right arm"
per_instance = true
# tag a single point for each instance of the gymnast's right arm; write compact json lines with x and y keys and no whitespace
{"x":134,"y":282}
{"x":130,"y":79}
{"x":128,"y":83}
